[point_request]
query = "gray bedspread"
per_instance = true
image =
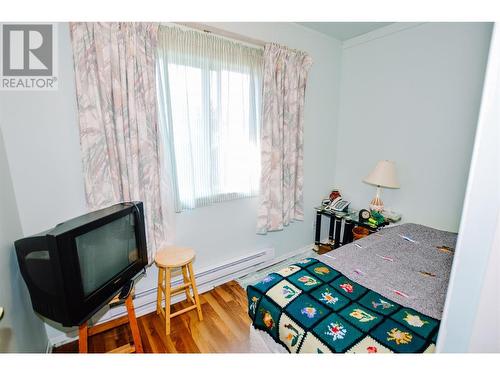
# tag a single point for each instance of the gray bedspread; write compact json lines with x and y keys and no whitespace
{"x":406,"y":263}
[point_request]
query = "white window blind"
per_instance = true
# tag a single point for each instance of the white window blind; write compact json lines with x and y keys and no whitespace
{"x":209,"y":101}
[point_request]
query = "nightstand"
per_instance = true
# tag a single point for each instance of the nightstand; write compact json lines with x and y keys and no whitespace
{"x":340,"y":230}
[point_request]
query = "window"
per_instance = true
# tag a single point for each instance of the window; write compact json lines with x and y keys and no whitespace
{"x":209,"y":92}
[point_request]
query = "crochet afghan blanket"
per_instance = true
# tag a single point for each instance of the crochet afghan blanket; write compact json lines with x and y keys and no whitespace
{"x":310,"y":307}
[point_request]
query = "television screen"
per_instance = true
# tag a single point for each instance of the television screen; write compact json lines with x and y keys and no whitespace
{"x":106,"y":251}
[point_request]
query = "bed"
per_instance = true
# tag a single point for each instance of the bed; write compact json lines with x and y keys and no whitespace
{"x":383,"y":293}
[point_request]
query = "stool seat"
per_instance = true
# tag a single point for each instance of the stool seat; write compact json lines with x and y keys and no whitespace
{"x":174,"y":256}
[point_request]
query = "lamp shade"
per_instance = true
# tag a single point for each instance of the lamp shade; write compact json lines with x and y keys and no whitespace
{"x":384,"y":174}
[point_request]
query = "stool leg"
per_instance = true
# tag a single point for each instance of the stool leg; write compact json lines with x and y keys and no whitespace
{"x":133,"y":325}
{"x":186,"y":280}
{"x":167,"y":300}
{"x":195,"y":290}
{"x":83,"y":339}
{"x":159,"y":292}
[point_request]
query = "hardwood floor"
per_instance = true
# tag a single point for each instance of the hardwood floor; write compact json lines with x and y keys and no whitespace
{"x":225,"y":328}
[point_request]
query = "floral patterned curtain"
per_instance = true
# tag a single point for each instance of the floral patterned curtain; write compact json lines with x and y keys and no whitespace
{"x":284,"y":84}
{"x":119,"y":132}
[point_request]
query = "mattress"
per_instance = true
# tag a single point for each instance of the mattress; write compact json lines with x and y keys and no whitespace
{"x":405,"y":266}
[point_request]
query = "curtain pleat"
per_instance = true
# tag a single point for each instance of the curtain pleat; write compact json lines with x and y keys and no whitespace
{"x":123,"y":156}
{"x":281,"y":143}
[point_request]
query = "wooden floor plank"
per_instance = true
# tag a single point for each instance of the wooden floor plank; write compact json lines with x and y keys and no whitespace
{"x":222,"y":318}
{"x":226,"y":296}
{"x":210,"y":331}
{"x":224,"y":329}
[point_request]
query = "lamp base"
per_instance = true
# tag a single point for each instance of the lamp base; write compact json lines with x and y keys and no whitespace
{"x":376,"y":204}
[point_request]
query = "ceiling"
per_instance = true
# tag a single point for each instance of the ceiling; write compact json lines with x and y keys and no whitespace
{"x":344,"y":30}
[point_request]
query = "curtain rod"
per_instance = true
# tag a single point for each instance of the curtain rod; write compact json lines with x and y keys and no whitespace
{"x":223,"y":33}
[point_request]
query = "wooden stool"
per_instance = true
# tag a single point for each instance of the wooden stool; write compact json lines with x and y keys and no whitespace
{"x":166,"y":259}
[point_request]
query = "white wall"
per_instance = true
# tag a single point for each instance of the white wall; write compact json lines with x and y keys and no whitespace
{"x":471,"y":317}
{"x":485,"y":335}
{"x":42,"y":142}
{"x":20,"y":329}
{"x":412,"y":96}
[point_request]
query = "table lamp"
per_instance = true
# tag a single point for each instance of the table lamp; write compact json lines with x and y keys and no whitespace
{"x":383,"y":175}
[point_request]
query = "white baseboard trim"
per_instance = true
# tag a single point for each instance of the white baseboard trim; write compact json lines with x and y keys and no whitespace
{"x":145,"y":301}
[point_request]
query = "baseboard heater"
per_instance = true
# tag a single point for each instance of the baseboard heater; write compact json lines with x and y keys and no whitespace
{"x":206,"y":279}
{"x":218,"y":275}
{"x":239,"y":265}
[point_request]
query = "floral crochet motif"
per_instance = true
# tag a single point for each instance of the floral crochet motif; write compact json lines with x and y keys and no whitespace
{"x":382,"y":303}
{"x":348,"y":288}
{"x":288,"y":292}
{"x":322,"y":270}
{"x":362,"y":315}
{"x":414,"y":320}
{"x":399,"y":337}
{"x":267,"y":279}
{"x":253,"y":305}
{"x":308,"y":280}
{"x":304,"y":261}
{"x":328,"y":298}
{"x":268,"y":320}
{"x":336,"y":330}
{"x":294,"y":335}
{"x":310,"y":312}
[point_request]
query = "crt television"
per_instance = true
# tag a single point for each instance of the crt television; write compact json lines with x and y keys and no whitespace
{"x":77,"y":267}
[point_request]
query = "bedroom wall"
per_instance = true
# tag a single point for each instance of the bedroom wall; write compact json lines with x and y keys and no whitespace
{"x":411,"y":93}
{"x":42,"y":144}
{"x":485,"y":337}
{"x":471,"y":317}
{"x":20,"y":329}
{"x":41,"y":136}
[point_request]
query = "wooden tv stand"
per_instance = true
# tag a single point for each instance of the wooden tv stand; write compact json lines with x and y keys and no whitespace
{"x":85,"y":331}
